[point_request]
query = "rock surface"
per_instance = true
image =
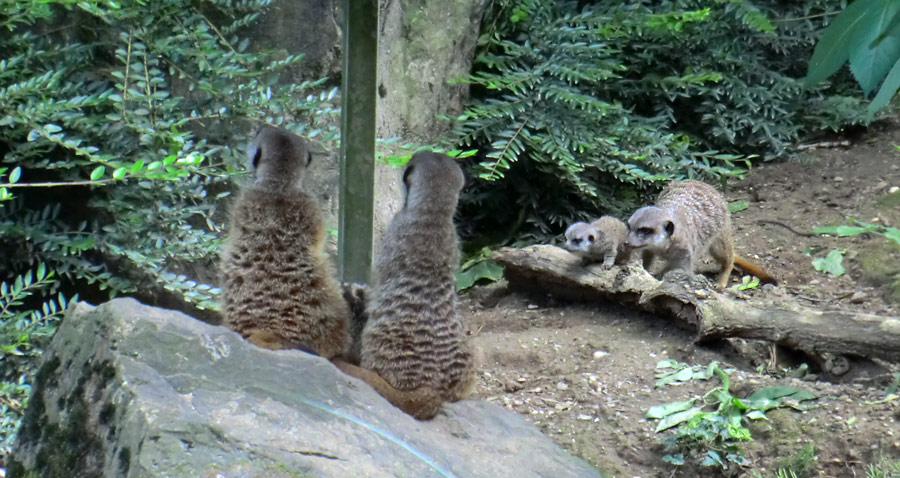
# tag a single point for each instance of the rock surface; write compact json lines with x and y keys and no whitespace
{"x":128,"y":390}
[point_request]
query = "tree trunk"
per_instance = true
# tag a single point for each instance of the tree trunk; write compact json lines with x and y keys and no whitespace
{"x":714,"y":315}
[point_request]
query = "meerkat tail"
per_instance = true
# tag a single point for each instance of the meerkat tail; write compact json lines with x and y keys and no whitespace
{"x":423,"y":403}
{"x":754,"y":270}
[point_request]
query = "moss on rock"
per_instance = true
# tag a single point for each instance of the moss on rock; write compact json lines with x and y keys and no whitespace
{"x":76,"y":442}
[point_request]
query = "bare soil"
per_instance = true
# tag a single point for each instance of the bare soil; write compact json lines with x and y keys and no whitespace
{"x":584,"y":372}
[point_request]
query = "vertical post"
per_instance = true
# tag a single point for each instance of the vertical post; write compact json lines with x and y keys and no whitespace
{"x":357,"y":181}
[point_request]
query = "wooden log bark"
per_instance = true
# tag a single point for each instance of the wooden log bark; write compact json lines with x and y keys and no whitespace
{"x":714,"y":315}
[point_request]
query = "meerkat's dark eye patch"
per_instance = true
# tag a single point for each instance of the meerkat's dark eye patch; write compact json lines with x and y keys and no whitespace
{"x":645,"y":231}
{"x":576,"y":241}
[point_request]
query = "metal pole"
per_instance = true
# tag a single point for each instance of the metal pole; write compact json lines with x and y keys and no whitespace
{"x":357,"y":181}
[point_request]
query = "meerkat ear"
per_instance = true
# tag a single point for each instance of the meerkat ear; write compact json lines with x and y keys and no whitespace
{"x":254,"y":153}
{"x":670,"y":228}
{"x":406,"y":175}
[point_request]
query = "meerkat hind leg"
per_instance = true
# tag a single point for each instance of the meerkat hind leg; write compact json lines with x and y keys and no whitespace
{"x":268,"y":340}
{"x":722,"y":250}
{"x":421,"y":403}
{"x":265,"y":339}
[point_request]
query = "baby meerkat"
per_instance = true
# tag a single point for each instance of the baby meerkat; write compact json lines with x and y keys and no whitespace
{"x":279,"y":287}
{"x":600,"y":241}
{"x":689,"y":219}
{"x":414,"y":348}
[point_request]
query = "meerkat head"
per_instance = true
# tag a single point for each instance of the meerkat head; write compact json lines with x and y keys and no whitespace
{"x":650,"y":227}
{"x":579,"y":237}
{"x":432,"y":179}
{"x":278,"y":159}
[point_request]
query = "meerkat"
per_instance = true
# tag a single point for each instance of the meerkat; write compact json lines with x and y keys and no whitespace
{"x":688,"y":219}
{"x":414,"y":348}
{"x":602,"y":240}
{"x":279,"y":287}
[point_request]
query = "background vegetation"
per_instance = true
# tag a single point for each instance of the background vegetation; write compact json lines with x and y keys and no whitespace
{"x":117,"y":121}
{"x":579,"y":108}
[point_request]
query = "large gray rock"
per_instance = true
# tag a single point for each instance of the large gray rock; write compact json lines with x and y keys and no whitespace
{"x":127,"y":390}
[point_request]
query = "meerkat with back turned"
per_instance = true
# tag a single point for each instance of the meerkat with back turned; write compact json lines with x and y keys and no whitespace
{"x":602,"y":240}
{"x":689,"y":219}
{"x":279,"y":287}
{"x":414,"y":348}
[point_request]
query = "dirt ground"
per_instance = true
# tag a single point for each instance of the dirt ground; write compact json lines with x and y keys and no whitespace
{"x":584,"y":372}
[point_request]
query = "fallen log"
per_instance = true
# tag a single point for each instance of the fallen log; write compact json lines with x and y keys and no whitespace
{"x":714,"y":315}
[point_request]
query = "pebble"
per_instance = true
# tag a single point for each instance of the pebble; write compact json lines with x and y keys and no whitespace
{"x":838,"y":179}
{"x":532,"y":306}
{"x":600,"y":354}
{"x":562,"y":386}
{"x":893,"y":189}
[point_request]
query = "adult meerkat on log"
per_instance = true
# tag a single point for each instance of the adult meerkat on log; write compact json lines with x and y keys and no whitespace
{"x":688,"y":219}
{"x":279,"y":286}
{"x":414,"y":349}
{"x":602,"y":240}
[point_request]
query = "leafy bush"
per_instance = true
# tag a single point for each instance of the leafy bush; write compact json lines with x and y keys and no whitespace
{"x":866,"y":35}
{"x":707,"y":437}
{"x":580,"y":108}
{"x":22,"y":332}
{"x":117,"y":127}
{"x":118,"y":121}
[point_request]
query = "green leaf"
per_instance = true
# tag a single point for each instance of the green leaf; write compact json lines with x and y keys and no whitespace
{"x":712,"y":459}
{"x":833,"y":48}
{"x":119,"y":173}
{"x":893,"y":234}
{"x":15,"y":174}
{"x":486,"y":269}
{"x":886,"y":92}
{"x":737,"y":206}
{"x":870,"y":59}
{"x":678,"y":418}
{"x":831,"y":263}
{"x":676,"y":459}
{"x":779,"y":391}
{"x":682,"y":375}
{"x":662,"y":411}
{"x":97,"y":173}
{"x":842,"y":231}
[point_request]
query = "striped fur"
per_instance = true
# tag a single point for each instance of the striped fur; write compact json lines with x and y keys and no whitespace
{"x":279,"y":286}
{"x":414,"y":337}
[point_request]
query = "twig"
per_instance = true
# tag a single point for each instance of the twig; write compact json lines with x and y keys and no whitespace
{"x":57,"y":184}
{"x":823,"y":144}
{"x":127,"y":71}
{"x":786,"y":226}
{"x":808,"y":17}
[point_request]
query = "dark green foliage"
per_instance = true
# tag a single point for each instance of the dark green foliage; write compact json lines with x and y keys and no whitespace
{"x":867,"y":35}
{"x":581,"y":107}
{"x":22,"y":333}
{"x":127,"y":116}
{"x":119,"y":123}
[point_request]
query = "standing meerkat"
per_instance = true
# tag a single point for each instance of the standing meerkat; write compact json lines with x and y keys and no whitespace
{"x":414,"y":349}
{"x":689,"y":219}
{"x":602,"y":240}
{"x":279,"y":287}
